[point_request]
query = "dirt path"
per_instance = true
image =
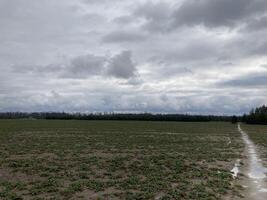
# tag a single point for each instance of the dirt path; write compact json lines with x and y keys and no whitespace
{"x":255,"y":177}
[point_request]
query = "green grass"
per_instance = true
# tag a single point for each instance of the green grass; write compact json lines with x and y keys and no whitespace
{"x":42,"y":159}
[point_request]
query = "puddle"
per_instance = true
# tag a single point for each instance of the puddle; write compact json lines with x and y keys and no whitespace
{"x":235,"y":170}
{"x":256,"y":171}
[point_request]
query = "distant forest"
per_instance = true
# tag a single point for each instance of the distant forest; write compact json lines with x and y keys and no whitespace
{"x":113,"y":116}
{"x":256,"y":116}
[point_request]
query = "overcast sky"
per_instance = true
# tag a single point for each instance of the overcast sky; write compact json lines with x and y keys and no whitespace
{"x":171,"y":56}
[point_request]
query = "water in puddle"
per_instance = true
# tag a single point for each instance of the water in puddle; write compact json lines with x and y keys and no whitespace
{"x":235,"y":170}
{"x":256,"y":173}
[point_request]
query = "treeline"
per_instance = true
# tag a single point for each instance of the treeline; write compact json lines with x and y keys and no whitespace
{"x":256,"y":116}
{"x":114,"y":116}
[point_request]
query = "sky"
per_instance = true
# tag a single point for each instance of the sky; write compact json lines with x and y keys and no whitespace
{"x":168,"y":56}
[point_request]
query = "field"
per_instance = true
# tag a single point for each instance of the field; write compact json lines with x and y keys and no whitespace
{"x":56,"y":159}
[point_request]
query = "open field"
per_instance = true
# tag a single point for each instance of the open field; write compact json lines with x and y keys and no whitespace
{"x":42,"y":159}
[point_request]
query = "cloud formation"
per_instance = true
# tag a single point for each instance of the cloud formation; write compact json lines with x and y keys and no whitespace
{"x":85,"y":66}
{"x":251,"y":80}
{"x":122,"y":66}
{"x":186,"y":56}
{"x":123,"y":36}
{"x":217,"y":13}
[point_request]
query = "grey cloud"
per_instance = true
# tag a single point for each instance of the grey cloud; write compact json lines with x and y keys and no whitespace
{"x":94,"y":19}
{"x":122,"y":66}
{"x":179,"y":54}
{"x":78,"y":67}
{"x":249,"y":45}
{"x":157,"y":16}
{"x":194,"y":50}
{"x":85,"y":66}
{"x":98,"y":1}
{"x":126,"y":19}
{"x":123,"y":36}
{"x":259,"y":49}
{"x":218,"y":13}
{"x":251,"y":80}
{"x":210,"y":13}
{"x":38,"y":69}
{"x":257,"y":24}
{"x":153,"y":11}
